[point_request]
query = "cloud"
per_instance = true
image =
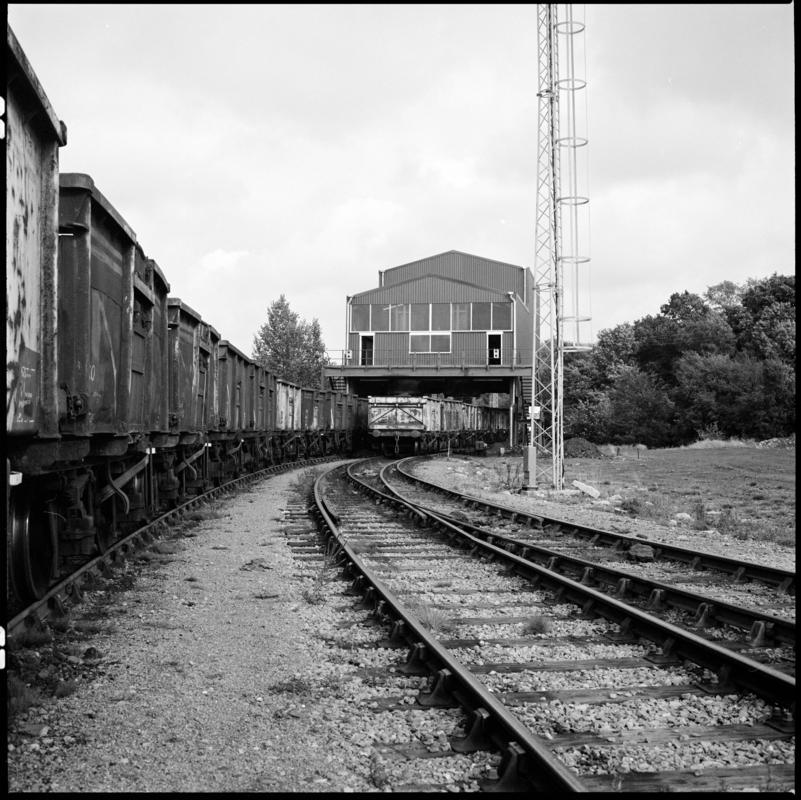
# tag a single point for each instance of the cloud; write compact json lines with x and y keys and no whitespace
{"x":222,"y":260}
{"x":259,"y":149}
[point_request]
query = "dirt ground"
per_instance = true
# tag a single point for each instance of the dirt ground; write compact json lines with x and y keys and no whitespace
{"x":746,"y":492}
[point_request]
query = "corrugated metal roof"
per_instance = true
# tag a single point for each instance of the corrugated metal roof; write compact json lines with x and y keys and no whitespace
{"x":454,"y":264}
{"x":430,"y":289}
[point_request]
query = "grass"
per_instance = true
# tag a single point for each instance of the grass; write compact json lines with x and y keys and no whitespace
{"x":304,"y":481}
{"x":747,"y":492}
{"x":509,"y":476}
{"x":66,"y":688}
{"x":316,"y":594}
{"x":32,"y":637}
{"x":432,"y":618}
{"x":204,"y":514}
{"x":648,"y":505}
{"x":537,"y":624}
{"x":294,"y":685}
{"x":743,"y":491}
{"x":165,"y":548}
{"x":367,"y":548}
{"x":90,"y":627}
{"x":20,"y":696}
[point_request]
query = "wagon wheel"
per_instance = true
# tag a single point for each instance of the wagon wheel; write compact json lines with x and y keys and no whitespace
{"x":30,"y":549}
{"x":106,"y":520}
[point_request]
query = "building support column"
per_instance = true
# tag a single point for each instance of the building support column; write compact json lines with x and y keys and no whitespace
{"x":512,"y":436}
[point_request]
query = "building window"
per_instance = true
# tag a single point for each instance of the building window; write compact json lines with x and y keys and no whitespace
{"x":419,"y":343}
{"x":482,"y":317}
{"x":434,"y":343}
{"x":420,"y":313}
{"x":440,"y":343}
{"x":432,"y":317}
{"x":380,"y":317}
{"x":502,"y":316}
{"x":461,"y":316}
{"x":399,"y":318}
{"x":360,"y":318}
{"x":440,"y":316}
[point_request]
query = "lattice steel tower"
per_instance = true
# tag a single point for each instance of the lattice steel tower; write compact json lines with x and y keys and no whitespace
{"x":561,"y":293}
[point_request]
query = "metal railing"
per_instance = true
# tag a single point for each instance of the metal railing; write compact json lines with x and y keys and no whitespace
{"x":465,"y":357}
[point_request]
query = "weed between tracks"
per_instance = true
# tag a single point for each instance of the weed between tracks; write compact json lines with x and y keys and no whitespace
{"x":303,"y":483}
{"x":366,"y":548}
{"x":537,"y":624}
{"x":432,"y":618}
{"x":316,"y":594}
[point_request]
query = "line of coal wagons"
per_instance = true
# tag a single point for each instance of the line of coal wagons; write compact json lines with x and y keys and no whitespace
{"x":121,"y":400}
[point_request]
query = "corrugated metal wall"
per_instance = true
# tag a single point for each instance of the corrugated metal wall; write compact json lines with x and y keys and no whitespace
{"x":467,"y":348}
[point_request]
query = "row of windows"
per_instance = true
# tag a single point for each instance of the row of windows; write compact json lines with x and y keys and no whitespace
{"x":435,"y":343}
{"x":432,"y":317}
{"x":423,"y":343}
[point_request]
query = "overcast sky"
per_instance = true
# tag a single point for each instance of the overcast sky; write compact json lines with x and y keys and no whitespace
{"x":260,"y":149}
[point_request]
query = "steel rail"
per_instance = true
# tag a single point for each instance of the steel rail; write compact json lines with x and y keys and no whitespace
{"x":741,"y":570}
{"x":525,"y":753}
{"x":732,"y":669}
{"x":761,"y":626}
{"x":53,"y":602}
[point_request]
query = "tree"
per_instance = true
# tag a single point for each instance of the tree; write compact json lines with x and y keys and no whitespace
{"x":614,"y":349}
{"x":684,"y":307}
{"x":686,"y":324}
{"x":641,"y":411}
{"x":290,"y":347}
{"x":724,"y":295}
{"x":764,"y":323}
{"x":740,"y":397}
{"x":590,"y":417}
{"x":768,"y":291}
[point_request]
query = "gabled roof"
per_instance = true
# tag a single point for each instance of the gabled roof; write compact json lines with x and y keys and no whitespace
{"x":438,"y":256}
{"x":430,"y":289}
{"x":456,"y":265}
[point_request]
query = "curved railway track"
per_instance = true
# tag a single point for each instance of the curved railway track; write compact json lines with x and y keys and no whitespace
{"x":577,"y":689}
{"x":69,"y":591}
{"x":750,"y":627}
{"x":552,"y":528}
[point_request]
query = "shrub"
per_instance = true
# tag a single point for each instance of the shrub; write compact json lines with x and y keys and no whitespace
{"x":20,"y":696}
{"x":537,"y":624}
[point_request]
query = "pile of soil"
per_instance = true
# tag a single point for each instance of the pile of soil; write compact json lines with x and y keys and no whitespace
{"x":581,"y":448}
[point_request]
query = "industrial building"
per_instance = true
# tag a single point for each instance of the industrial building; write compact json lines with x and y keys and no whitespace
{"x":454,"y":324}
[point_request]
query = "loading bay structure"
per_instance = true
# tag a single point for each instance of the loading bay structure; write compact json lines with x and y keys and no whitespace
{"x":454,"y":324}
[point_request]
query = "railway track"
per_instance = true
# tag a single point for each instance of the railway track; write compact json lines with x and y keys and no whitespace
{"x":753,"y":628}
{"x":577,"y":690}
{"x":571,"y":535}
{"x":69,"y":590}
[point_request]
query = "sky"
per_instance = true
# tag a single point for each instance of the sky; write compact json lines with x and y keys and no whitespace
{"x":260,"y":150}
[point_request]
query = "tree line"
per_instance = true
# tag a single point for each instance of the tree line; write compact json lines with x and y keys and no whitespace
{"x":721,"y":365}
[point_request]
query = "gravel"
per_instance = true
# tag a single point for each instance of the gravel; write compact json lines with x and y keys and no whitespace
{"x":607,"y":678}
{"x":229,"y":665}
{"x":676,"y":755}
{"x":552,"y":717}
{"x":214,"y":671}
